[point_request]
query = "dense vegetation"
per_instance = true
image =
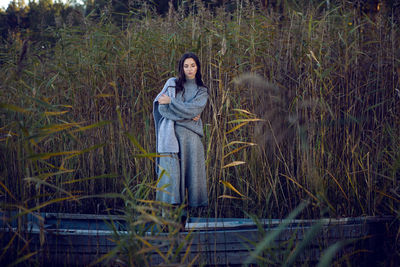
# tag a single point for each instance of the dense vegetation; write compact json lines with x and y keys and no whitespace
{"x":304,"y":103}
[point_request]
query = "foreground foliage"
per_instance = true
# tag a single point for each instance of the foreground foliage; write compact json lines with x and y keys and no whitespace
{"x":303,"y":104}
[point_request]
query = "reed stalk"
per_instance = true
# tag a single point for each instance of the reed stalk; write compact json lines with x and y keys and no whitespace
{"x":323,"y":82}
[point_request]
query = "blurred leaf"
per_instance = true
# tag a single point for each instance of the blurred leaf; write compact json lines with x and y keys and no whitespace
{"x":8,"y":191}
{"x":99,"y":124}
{"x":329,"y":253}
{"x":51,"y":81}
{"x":136,"y":143}
{"x":156,"y":249}
{"x":53,"y":154}
{"x":53,"y":128}
{"x":274,"y":233}
{"x":104,"y":95}
{"x":85,"y":150}
{"x":23,"y":258}
{"x":91,"y":178}
{"x":44,"y":204}
{"x":121,"y":123}
{"x":110,"y":255}
{"x":42,"y":181}
{"x":5,"y":249}
{"x":13,"y":108}
{"x":105,"y":195}
{"x":307,"y":240}
{"x":42,"y":103}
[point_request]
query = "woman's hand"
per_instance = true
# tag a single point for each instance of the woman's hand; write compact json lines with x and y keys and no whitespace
{"x":196,"y":118}
{"x":164,"y":99}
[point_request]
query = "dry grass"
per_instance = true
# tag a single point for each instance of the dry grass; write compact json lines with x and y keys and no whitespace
{"x":303,"y":105}
{"x":315,"y":90}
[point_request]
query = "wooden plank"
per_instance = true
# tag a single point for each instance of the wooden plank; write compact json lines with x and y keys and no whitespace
{"x":234,"y":223}
{"x":216,"y":241}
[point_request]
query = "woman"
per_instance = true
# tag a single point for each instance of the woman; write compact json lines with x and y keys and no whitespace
{"x":179,"y":129}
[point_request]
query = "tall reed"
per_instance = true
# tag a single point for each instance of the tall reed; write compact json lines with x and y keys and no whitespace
{"x":321,"y":90}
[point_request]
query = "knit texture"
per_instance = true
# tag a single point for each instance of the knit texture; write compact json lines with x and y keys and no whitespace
{"x":187,"y":105}
{"x":184,"y":170}
{"x":166,"y":141}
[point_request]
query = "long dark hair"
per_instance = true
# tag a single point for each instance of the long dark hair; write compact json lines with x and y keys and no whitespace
{"x":181,"y":74}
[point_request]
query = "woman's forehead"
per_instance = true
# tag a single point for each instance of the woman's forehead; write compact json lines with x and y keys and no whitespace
{"x":189,"y":61}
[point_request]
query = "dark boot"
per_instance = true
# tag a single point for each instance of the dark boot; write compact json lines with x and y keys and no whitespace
{"x":183,"y":218}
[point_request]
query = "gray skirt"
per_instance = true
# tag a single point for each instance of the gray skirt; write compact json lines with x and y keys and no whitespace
{"x":184,"y":172}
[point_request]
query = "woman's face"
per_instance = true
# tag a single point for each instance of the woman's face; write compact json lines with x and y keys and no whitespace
{"x":190,"y":68}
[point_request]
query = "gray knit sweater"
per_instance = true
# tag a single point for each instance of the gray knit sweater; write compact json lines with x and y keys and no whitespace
{"x":183,"y":108}
{"x":166,"y":141}
{"x":187,"y":105}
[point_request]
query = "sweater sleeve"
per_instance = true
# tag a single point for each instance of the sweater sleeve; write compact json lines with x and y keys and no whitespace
{"x":191,"y":108}
{"x":166,"y":112}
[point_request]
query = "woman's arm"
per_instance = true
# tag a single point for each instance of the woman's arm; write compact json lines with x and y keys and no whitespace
{"x":189,"y":109}
{"x":174,"y":109}
{"x":164,"y":99}
{"x":167,"y":113}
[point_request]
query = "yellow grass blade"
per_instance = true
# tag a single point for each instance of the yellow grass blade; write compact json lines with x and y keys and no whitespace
{"x":5,"y":249}
{"x":121,"y":123}
{"x":54,"y":113}
{"x":91,"y":178}
{"x":99,"y":124}
{"x":85,"y":150}
{"x":8,"y":191}
{"x":54,"y":154}
{"x":229,"y":197}
{"x":61,"y":199}
{"x":13,"y":108}
{"x":155,"y":248}
{"x":42,"y":180}
{"x":299,"y":185}
{"x":66,"y":106}
{"x":23,"y":258}
{"x":187,"y":251}
{"x":336,"y":181}
{"x":194,"y":260}
{"x":235,"y":150}
{"x":230,"y":186}
{"x":113,"y":84}
{"x":58,"y":127}
{"x":232,"y":164}
{"x":104,"y":95}
{"x":386,"y":195}
{"x":237,"y":127}
{"x":148,"y":155}
{"x":245,"y":120}
{"x":244,"y":111}
{"x":240,"y":142}
{"x":136,"y":143}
